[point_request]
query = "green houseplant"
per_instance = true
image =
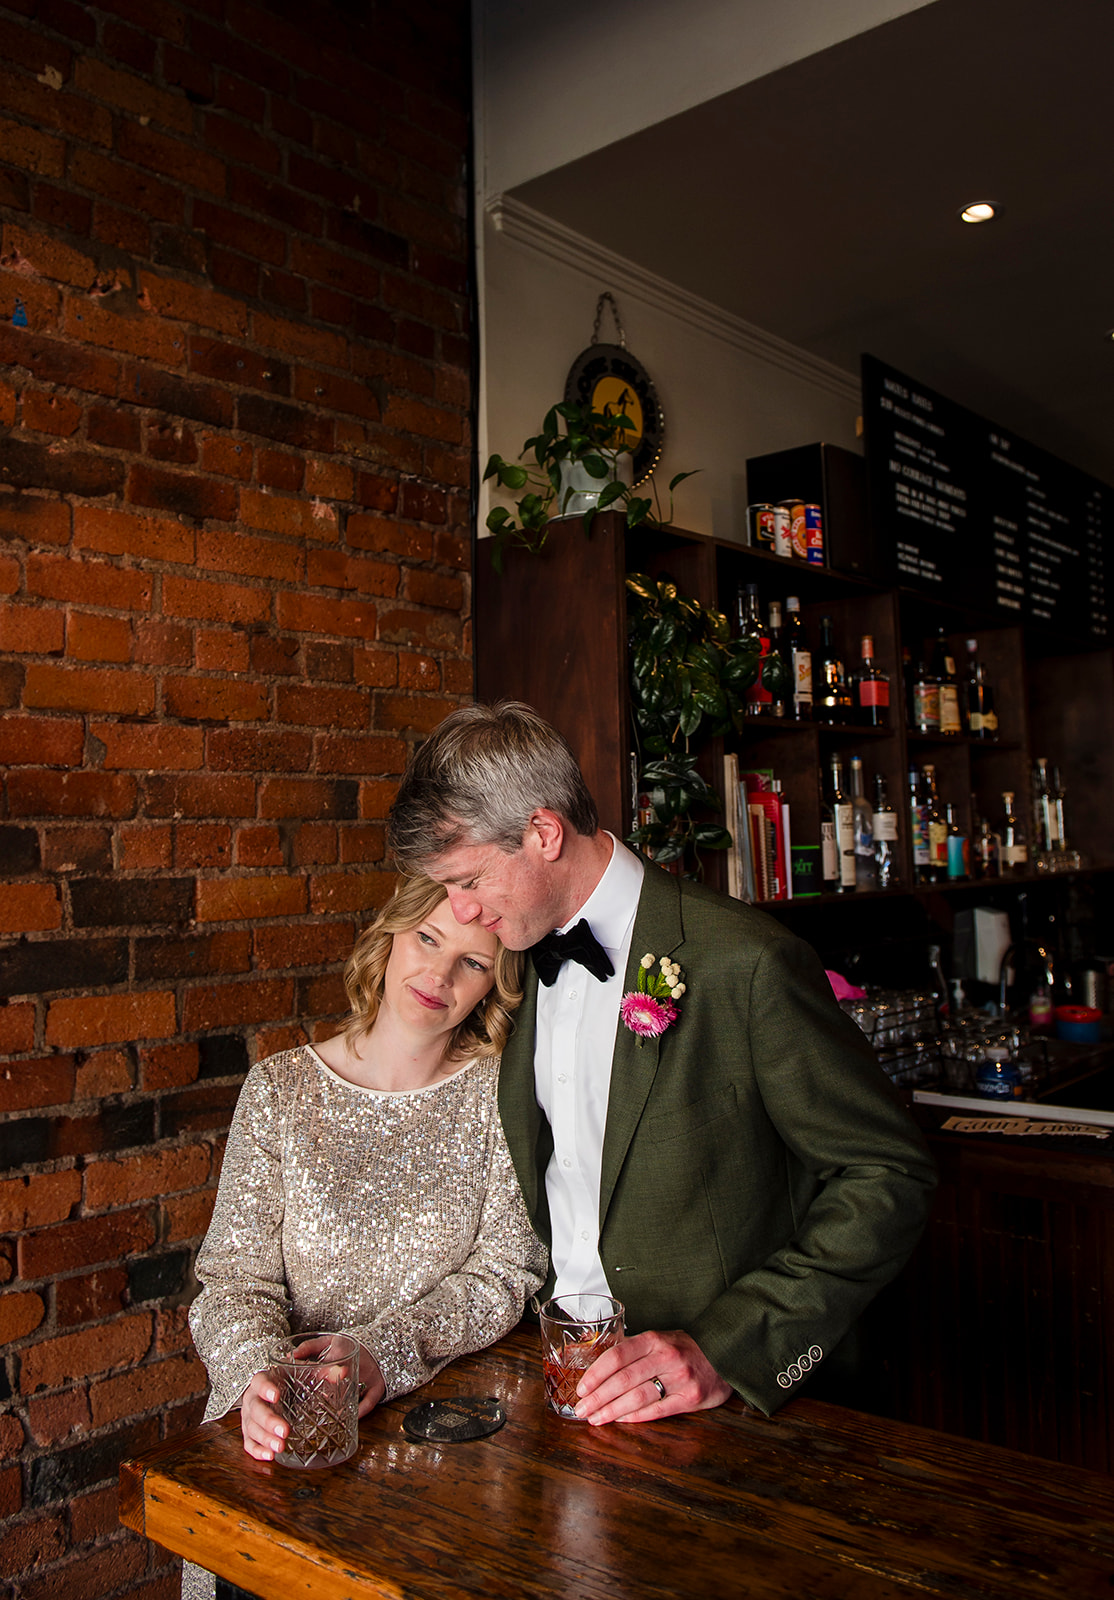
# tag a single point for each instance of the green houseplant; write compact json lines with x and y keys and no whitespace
{"x":596,"y":441}
{"x":688,"y":684}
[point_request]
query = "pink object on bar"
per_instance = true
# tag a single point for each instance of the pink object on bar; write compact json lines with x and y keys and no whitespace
{"x":844,"y":990}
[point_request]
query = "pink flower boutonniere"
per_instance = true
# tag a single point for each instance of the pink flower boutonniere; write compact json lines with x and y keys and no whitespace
{"x":648,"y":1010}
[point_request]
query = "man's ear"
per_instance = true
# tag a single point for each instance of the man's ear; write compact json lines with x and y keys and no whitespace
{"x":546,"y":830}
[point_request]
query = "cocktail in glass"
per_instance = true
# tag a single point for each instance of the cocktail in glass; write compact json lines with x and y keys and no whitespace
{"x":576,"y":1328}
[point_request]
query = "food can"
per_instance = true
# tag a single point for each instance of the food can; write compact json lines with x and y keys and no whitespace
{"x":814,"y":536}
{"x":760,"y":525}
{"x":797,"y":545}
{"x":782,"y":544}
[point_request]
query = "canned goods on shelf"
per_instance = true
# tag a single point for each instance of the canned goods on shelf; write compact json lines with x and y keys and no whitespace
{"x":782,"y":523}
{"x":760,"y":525}
{"x":798,"y":539}
{"x":814,"y":536}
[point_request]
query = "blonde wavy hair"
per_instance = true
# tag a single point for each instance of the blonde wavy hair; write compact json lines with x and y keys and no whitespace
{"x":485,"y":1031}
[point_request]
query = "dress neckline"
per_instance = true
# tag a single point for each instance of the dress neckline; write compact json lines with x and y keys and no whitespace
{"x":389,"y":1094}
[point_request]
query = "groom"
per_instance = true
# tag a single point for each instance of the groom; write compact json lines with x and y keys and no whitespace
{"x":744,"y":1181}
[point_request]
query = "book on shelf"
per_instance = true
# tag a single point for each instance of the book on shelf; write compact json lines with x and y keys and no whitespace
{"x":758,"y":820}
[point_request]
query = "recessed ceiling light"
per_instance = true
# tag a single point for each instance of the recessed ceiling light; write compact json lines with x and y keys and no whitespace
{"x":980,"y":211}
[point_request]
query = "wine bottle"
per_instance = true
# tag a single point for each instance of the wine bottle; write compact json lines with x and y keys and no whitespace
{"x":843,"y":819}
{"x":866,"y":876}
{"x":873,"y":687}
{"x":800,"y":659}
{"x":754,"y":631}
{"x":883,"y":826}
{"x":775,"y":667}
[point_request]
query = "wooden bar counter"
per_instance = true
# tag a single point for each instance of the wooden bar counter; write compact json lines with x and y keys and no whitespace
{"x":818,"y":1501}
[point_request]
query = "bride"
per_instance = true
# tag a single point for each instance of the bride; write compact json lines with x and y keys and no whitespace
{"x":367,"y":1186}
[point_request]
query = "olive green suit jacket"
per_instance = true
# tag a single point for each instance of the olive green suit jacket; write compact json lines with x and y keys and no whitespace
{"x":760,"y":1180}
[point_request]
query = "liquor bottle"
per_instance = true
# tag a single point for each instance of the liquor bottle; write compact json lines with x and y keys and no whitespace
{"x":843,"y":818}
{"x":926,"y":700}
{"x":1013,"y":852}
{"x":959,"y":853}
{"x":935,"y":827}
{"x":873,"y":688}
{"x":866,"y":876}
{"x":829,"y":853}
{"x":1046,"y":833}
{"x":943,"y":670}
{"x":776,"y":666}
{"x":982,"y":719}
{"x":917,"y":835}
{"x":831,"y":700}
{"x":754,"y":633}
{"x":1058,"y":806}
{"x":984,"y":845}
{"x":800,"y":659}
{"x":883,"y":826}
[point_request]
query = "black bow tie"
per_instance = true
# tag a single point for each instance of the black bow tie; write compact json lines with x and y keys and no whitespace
{"x":579,"y":944}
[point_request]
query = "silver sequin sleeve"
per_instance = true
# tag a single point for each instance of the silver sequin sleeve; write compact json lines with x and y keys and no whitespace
{"x":396,"y":1217}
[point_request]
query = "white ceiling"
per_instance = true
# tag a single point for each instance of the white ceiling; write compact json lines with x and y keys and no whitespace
{"x":820,"y":203}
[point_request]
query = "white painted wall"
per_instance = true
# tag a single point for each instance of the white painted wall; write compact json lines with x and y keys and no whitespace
{"x":555,"y":81}
{"x":728,"y":391}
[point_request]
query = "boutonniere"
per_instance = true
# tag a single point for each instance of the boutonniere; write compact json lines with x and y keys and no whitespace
{"x":648,"y":1010}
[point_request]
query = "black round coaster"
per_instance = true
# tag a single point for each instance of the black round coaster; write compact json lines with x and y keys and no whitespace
{"x":454,"y":1421}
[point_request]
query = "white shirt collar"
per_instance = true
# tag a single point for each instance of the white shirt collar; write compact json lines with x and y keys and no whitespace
{"x":610,"y":908}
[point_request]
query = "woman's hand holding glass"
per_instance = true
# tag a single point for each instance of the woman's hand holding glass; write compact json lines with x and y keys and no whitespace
{"x":265,"y":1431}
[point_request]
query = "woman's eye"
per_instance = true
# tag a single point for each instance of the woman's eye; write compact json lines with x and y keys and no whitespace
{"x":477,"y":966}
{"x":425,"y":937}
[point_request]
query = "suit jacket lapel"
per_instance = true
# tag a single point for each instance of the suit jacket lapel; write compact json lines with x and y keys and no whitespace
{"x":518,"y":1107}
{"x":658,"y":928}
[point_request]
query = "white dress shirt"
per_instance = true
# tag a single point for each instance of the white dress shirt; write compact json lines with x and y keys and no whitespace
{"x":576,"y":1022}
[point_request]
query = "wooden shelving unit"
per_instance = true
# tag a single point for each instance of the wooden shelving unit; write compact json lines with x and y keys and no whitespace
{"x":551,"y":630}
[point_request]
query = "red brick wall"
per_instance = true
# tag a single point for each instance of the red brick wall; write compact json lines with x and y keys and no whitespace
{"x":234,"y":554}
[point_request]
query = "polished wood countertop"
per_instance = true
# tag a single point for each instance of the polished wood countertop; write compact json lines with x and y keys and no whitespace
{"x":818,"y":1501}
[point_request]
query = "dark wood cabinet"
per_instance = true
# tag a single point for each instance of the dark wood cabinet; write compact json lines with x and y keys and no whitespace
{"x":1001,"y":1327}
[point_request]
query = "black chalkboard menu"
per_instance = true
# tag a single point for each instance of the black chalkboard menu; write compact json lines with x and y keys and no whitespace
{"x":976,"y":516}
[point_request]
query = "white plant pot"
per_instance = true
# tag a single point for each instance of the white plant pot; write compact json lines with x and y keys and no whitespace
{"x":580,"y":492}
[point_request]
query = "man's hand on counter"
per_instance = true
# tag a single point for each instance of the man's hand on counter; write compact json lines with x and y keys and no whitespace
{"x":648,"y":1376}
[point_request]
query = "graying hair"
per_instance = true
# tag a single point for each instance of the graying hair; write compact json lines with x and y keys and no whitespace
{"x":478,"y":779}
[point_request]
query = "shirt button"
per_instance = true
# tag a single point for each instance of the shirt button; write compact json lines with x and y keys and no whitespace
{"x":584,"y":1235}
{"x":572,"y":994}
{"x":562,"y":1077}
{"x":566,"y":1162}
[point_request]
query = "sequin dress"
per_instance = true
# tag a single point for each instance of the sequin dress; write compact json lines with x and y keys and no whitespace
{"x":395,"y":1217}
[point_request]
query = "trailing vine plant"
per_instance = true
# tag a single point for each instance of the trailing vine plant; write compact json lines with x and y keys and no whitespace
{"x":593,"y":440}
{"x":688,"y":684}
